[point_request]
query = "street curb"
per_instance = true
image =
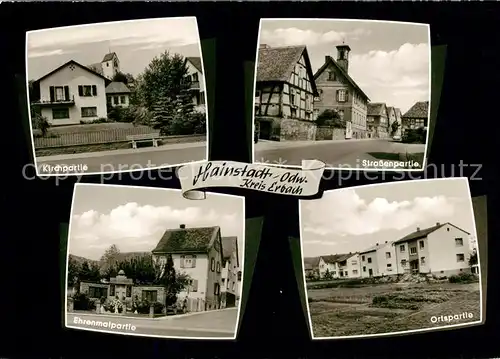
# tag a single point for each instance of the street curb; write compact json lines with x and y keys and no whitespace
{"x":173,"y":317}
{"x":117,"y":316}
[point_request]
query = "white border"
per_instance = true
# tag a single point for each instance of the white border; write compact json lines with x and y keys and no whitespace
{"x":451,"y":326}
{"x":242,"y":267}
{"x":122,"y":171}
{"x":424,"y":164}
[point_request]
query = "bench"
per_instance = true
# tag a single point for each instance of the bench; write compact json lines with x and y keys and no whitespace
{"x":134,"y":139}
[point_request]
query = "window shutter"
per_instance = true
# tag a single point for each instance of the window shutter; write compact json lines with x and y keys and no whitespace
{"x":80,"y":90}
{"x":337,"y":95}
{"x":94,"y":90}
{"x":194,"y":262}
{"x":52,"y":93}
{"x":182,"y":261}
{"x":66,"y":93}
{"x":195,"y":285}
{"x":346,"y":95}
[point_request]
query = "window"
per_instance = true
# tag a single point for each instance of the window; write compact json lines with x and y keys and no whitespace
{"x":97,"y":292}
{"x":346,"y":273}
{"x":202,"y":98}
{"x":59,"y":93}
{"x":150,"y":295}
{"x":331,"y":76}
{"x":388,"y":255}
{"x":218,"y":267}
{"x":89,"y":111}
{"x":233,"y":285}
{"x":129,"y":291}
{"x":421,"y":244}
{"x":212,"y":264}
{"x":389,"y":265}
{"x":460,"y":257}
{"x":87,"y":90}
{"x":362,"y":258}
{"x":292,"y":99}
{"x":112,"y":290}
{"x":194,"y":77}
{"x":413,"y":250}
{"x":193,"y":285}
{"x":223,"y":281}
{"x":459,"y":242}
{"x":188,"y":261}
{"x":355,"y":272}
{"x":402,"y":248}
{"x":369,"y":259}
{"x":403,"y":262}
{"x":116,"y":100}
{"x":122,"y":99}
{"x":422,"y":260}
{"x":216,"y":288}
{"x":364,"y":269}
{"x":60,"y":113}
{"x":354,"y":263}
{"x":341,"y":95}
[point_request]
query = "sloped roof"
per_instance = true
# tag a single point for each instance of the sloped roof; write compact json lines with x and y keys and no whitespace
{"x":397,"y":111}
{"x":97,"y":67}
{"x":308,"y":266}
{"x":375,"y":247}
{"x":311,"y":261}
{"x":329,"y":61}
{"x":230,"y":246}
{"x":335,"y":258}
{"x":184,"y":240}
{"x":276,"y":64}
{"x":418,"y":110}
{"x":196,"y":62}
{"x":424,"y":232}
{"x":389,"y":110}
{"x":74,"y":63}
{"x":377,"y":109}
{"x":117,"y":87}
{"x":109,"y":56}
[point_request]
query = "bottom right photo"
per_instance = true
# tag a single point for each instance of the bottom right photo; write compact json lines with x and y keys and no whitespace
{"x":391,"y":258}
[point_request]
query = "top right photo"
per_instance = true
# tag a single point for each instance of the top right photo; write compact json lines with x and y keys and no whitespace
{"x":354,"y":94}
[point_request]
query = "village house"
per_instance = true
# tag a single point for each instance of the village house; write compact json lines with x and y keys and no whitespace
{"x":311,"y":267}
{"x":108,"y":67}
{"x":377,"y":121}
{"x":338,"y":91}
{"x":230,"y":268}
{"x":416,"y":117}
{"x":71,"y":94}
{"x":378,"y":260}
{"x":339,"y":266}
{"x":442,"y":250}
{"x":196,"y":82}
{"x":123,"y":289}
{"x":284,"y":92}
{"x":117,"y":95}
{"x":196,"y":252}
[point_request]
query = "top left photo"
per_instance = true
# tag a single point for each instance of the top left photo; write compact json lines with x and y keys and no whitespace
{"x":117,"y":96}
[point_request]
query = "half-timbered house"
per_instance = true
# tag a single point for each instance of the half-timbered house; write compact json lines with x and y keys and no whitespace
{"x":284,"y":94}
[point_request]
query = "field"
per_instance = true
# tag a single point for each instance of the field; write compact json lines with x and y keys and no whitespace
{"x":386,"y":308}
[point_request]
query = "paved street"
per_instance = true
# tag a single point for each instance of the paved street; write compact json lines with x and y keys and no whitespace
{"x":216,"y":324}
{"x":124,"y":160}
{"x":336,"y":154}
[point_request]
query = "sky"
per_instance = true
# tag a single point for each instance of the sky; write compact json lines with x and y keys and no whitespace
{"x":389,"y":61}
{"x":351,"y":220}
{"x":135,"y":218}
{"x":135,"y":42}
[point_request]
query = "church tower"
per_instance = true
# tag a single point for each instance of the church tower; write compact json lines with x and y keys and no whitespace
{"x":110,"y":65}
{"x":343,"y":56}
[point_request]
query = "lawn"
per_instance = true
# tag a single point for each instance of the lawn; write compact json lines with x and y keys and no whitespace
{"x":389,"y":308}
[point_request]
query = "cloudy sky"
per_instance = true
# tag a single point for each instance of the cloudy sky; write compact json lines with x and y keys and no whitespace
{"x":135,"y":42}
{"x":350,"y":220}
{"x":389,"y":61}
{"x":135,"y":218}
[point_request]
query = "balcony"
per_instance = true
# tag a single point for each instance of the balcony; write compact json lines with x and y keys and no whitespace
{"x":55,"y":102}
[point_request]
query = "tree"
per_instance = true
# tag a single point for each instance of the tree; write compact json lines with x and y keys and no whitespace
{"x":39,"y":122}
{"x":328,"y":274}
{"x":126,"y":78}
{"x":73,"y":272}
{"x":394,"y":127}
{"x":143,"y":270}
{"x":330,"y":118}
{"x":89,"y":272}
{"x":473,"y":258}
{"x":109,"y":258}
{"x":162,"y":116}
{"x":174,"y":283}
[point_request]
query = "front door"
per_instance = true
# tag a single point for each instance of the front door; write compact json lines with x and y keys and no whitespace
{"x":414,"y":266}
{"x":370,"y":272}
{"x":264,"y":130}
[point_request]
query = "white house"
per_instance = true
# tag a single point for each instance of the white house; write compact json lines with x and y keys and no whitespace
{"x":442,"y":250}
{"x":328,"y":266}
{"x":108,"y":67}
{"x":378,"y":260}
{"x":71,"y":94}
{"x":348,"y":266}
{"x":117,"y":95}
{"x":197,"y":83}
{"x":196,"y":252}
{"x":230,"y":268}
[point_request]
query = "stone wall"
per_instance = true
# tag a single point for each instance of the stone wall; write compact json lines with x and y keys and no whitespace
{"x":295,"y":130}
{"x":324,"y":133}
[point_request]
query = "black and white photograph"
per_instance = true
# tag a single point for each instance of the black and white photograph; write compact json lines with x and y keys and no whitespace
{"x":148,"y":262}
{"x":117,"y":96}
{"x":351,"y":93}
{"x":391,"y":258}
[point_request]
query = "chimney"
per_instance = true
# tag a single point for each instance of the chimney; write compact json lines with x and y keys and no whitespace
{"x":438,"y":224}
{"x":182,"y":226}
{"x":343,"y":56}
{"x":327,"y":58}
{"x":418,"y":229}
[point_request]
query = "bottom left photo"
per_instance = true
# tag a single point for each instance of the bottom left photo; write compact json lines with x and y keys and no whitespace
{"x":148,"y":262}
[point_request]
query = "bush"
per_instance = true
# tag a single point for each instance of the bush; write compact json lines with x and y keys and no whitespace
{"x":113,"y":305}
{"x":82,"y":302}
{"x":142,"y":307}
{"x":40,"y":123}
{"x":418,"y":135}
{"x":194,"y":123}
{"x":121,"y":114}
{"x":463,"y":278}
